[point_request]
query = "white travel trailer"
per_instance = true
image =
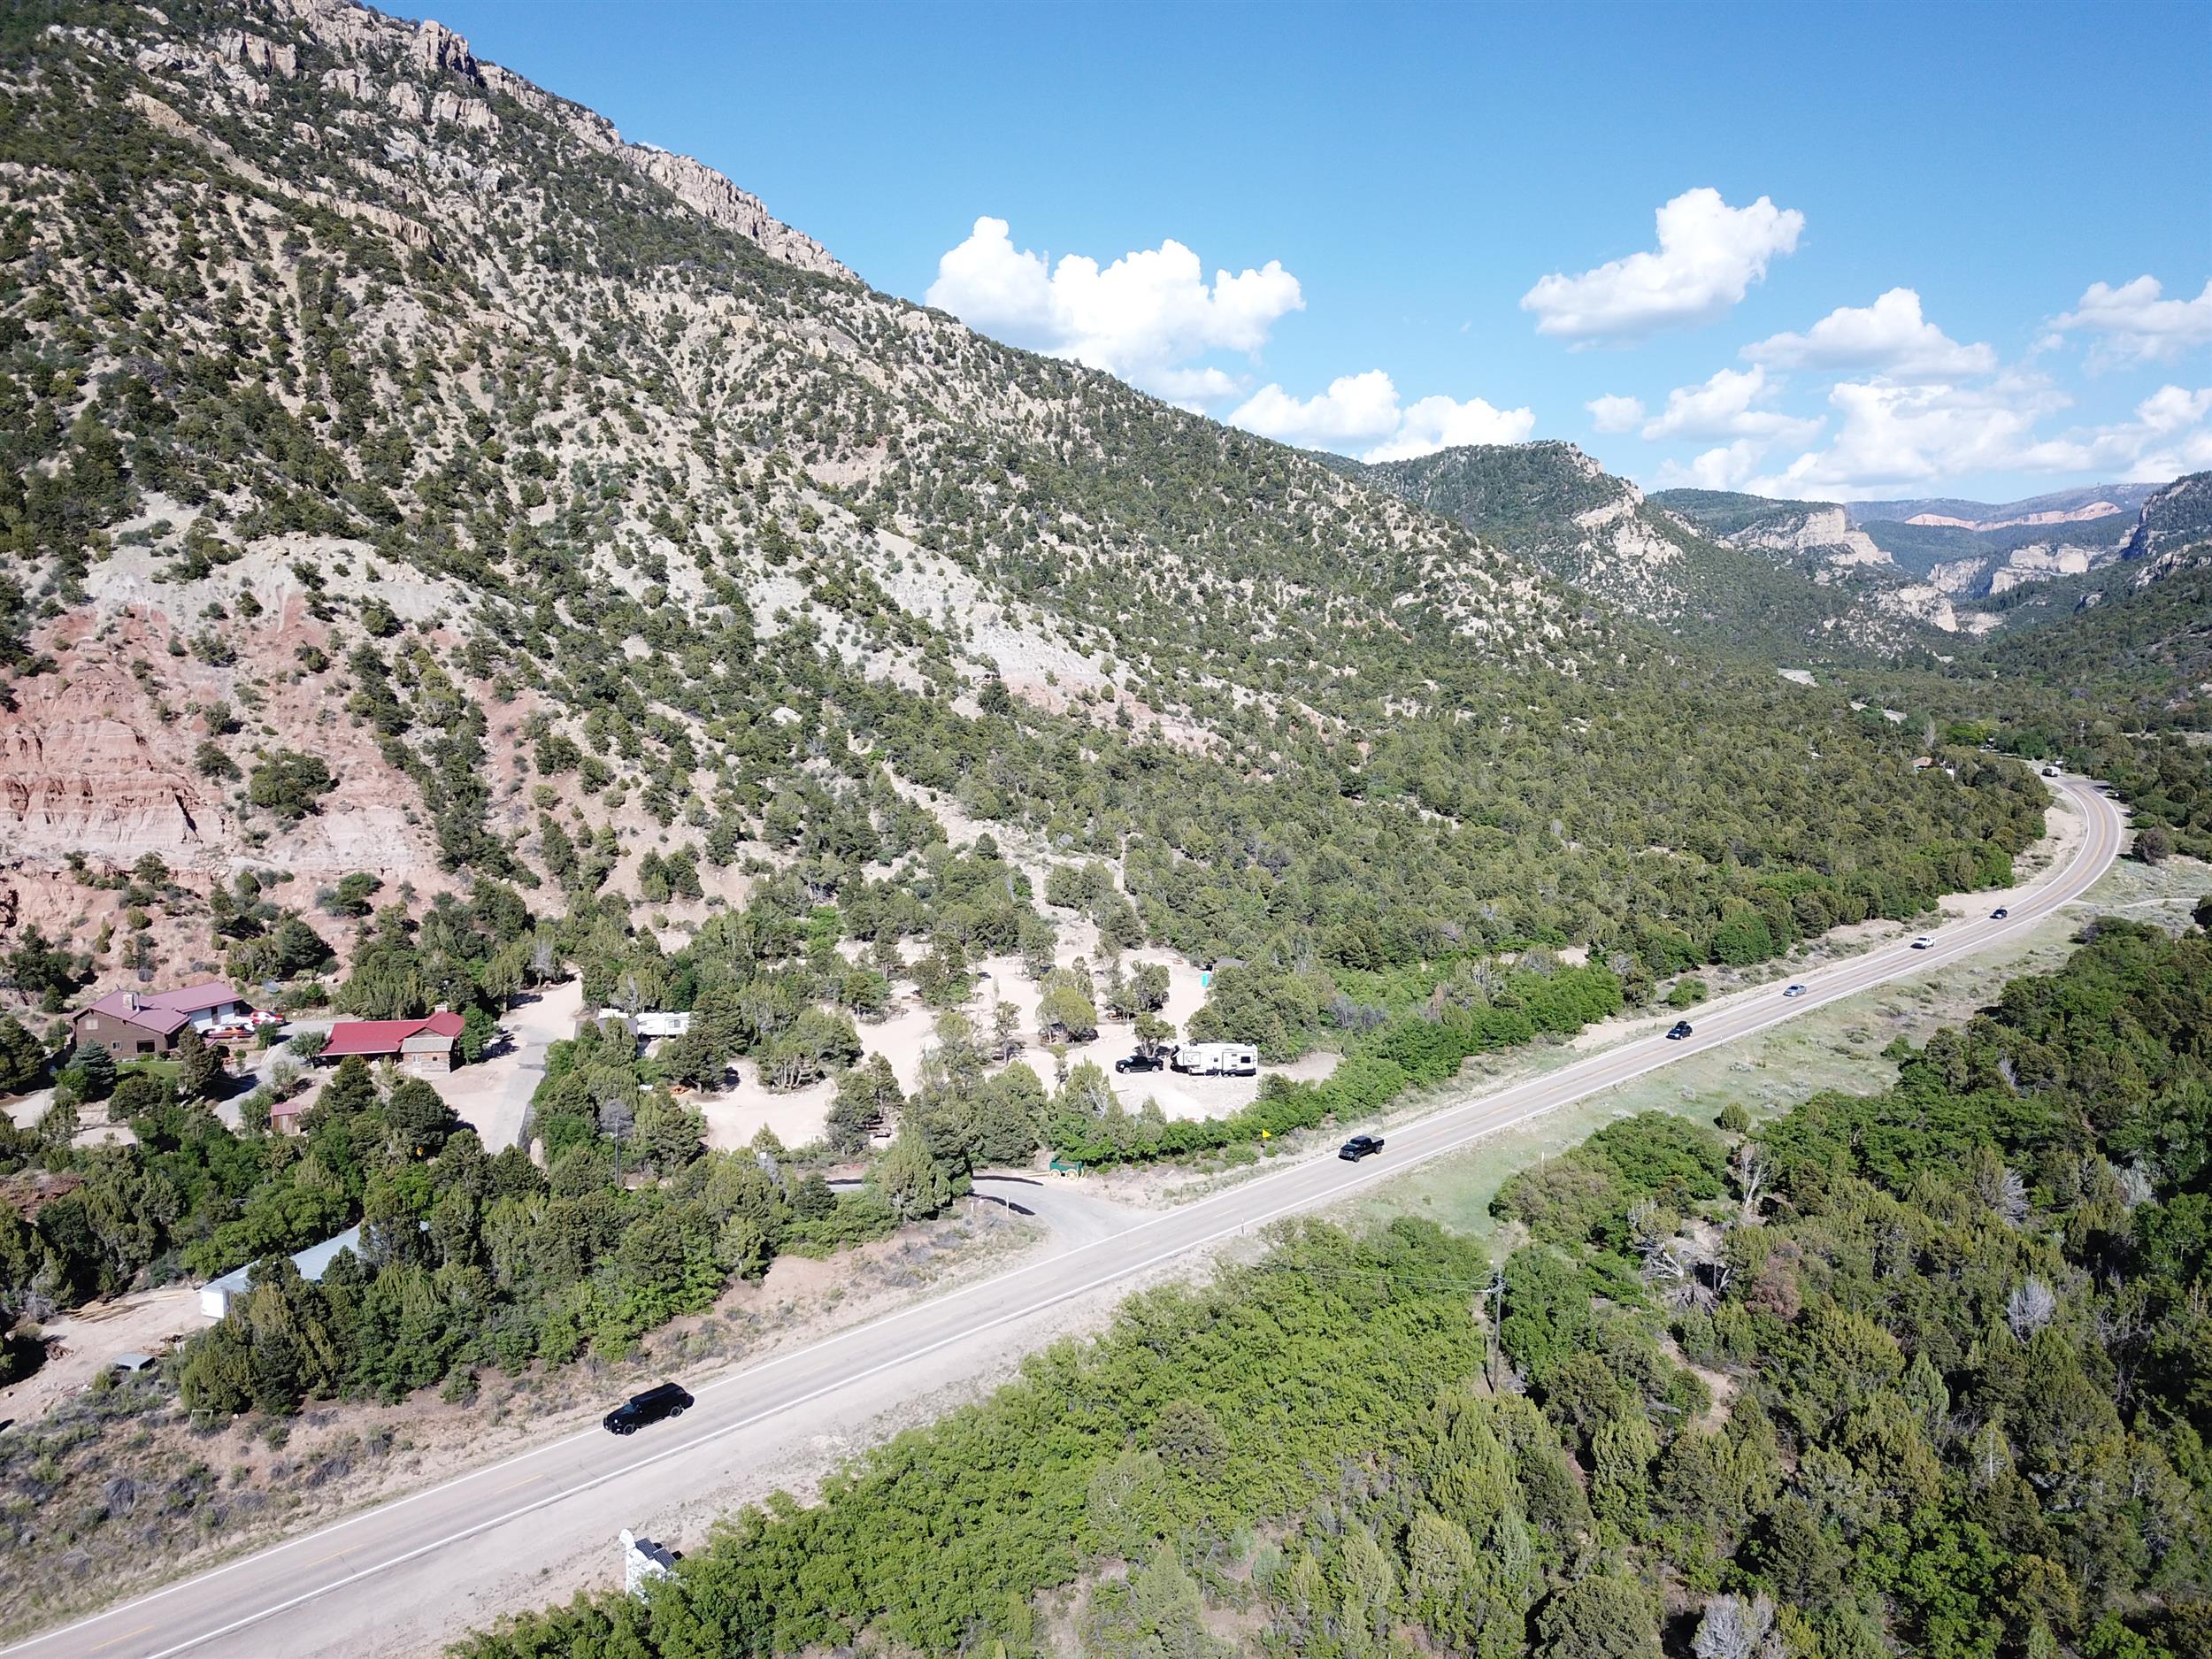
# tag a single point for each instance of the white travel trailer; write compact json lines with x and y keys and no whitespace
{"x":1218,"y":1059}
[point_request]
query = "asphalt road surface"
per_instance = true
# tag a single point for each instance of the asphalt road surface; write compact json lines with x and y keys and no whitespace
{"x":413,"y":1573}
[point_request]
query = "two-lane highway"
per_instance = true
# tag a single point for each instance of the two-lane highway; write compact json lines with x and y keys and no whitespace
{"x":407,"y":1574}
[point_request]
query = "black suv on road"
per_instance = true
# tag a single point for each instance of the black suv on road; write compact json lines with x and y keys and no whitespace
{"x":1360,"y":1146}
{"x":1140,"y":1063}
{"x":1678,"y":1031}
{"x":633,"y":1414}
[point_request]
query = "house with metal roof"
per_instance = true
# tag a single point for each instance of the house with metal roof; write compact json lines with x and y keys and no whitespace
{"x":422,"y":1045}
{"x":216,"y":1294}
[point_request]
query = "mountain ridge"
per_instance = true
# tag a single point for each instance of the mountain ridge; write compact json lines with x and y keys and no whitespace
{"x":1789,"y":577}
{"x":474,"y":508}
{"x":2053,"y":507}
{"x":1955,"y":561}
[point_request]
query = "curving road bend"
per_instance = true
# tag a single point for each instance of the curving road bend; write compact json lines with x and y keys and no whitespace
{"x":404,"y":1576}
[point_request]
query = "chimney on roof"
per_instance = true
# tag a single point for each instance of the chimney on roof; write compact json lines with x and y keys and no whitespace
{"x":133,"y":996}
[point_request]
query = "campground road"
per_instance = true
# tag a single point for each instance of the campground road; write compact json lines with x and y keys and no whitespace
{"x":406,"y":1575}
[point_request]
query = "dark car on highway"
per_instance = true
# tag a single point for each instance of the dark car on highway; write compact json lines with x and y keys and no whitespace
{"x":638,"y":1411}
{"x":1140,"y":1063}
{"x":1360,"y":1146}
{"x":1678,"y":1031}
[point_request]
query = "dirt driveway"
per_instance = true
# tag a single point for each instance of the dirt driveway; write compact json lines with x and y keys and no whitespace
{"x":84,"y":1343}
{"x":493,"y":1097}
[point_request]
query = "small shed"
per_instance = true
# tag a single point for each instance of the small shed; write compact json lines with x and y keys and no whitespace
{"x":643,"y":1561}
{"x":313,"y":1263}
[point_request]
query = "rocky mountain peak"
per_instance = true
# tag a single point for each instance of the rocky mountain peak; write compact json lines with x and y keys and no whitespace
{"x":438,"y":50}
{"x":2178,"y":516}
{"x":412,"y":69}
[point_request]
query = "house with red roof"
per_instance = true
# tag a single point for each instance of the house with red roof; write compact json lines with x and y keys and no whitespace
{"x":133,"y":1025}
{"x":419,"y":1044}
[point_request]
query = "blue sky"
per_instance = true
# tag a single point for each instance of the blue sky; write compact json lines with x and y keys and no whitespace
{"x":1400,"y":182}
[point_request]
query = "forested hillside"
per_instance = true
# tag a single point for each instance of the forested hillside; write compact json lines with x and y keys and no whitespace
{"x":448,"y":551}
{"x":2088,"y":641}
{"x":2107,"y":672}
{"x":1920,"y":1371}
{"x":1708,"y":567}
{"x":384,"y":436}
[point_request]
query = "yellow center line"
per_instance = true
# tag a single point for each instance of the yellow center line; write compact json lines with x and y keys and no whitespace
{"x":332,"y":1556}
{"x":119,"y":1640}
{"x":527,"y":1480}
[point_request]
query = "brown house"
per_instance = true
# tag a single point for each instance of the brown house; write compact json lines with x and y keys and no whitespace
{"x":422,"y":1045}
{"x":133,"y":1027}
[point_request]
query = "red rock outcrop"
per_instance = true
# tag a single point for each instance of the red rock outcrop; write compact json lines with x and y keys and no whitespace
{"x":77,"y":774}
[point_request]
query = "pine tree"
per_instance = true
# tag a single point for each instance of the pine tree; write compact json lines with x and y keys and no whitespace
{"x":199,"y":1067}
{"x":22,"y":1062}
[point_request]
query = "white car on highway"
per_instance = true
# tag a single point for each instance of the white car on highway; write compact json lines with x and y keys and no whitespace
{"x":1923,"y":943}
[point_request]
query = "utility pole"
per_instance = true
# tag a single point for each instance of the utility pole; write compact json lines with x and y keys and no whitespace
{"x":1492,"y":1351}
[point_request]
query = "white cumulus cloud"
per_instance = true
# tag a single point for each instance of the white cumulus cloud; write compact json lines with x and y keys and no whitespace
{"x":1616,"y":414}
{"x":1890,"y":335}
{"x":2133,"y":324}
{"x":1726,"y":406}
{"x":1363,"y":408}
{"x":1731,"y":467}
{"x":1439,"y":422}
{"x":1892,"y":436}
{"x":1357,"y":408}
{"x":1709,"y":254}
{"x":1146,"y":317}
{"x":2169,"y":436}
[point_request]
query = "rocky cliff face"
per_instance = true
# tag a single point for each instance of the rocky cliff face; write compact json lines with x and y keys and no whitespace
{"x":100,"y":758}
{"x":1819,"y":539}
{"x":427,"y":75}
{"x":2087,"y":510}
{"x":1792,"y":577}
{"x":1992,"y":575}
{"x":2174,"y":524}
{"x":77,"y":774}
{"x":1819,"y":531}
{"x":715,"y":198}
